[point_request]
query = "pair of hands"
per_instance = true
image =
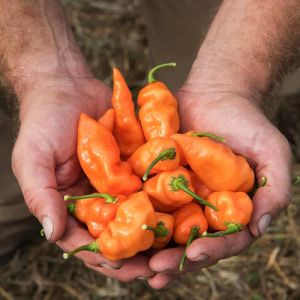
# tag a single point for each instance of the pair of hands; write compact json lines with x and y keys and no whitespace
{"x":46,"y":166}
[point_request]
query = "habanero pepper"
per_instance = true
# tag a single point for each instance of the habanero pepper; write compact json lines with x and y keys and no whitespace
{"x":124,"y":237}
{"x":99,"y":157}
{"x":163,"y":230}
{"x":185,"y":218}
{"x":170,"y":190}
{"x":158,"y":154}
{"x":158,"y":108}
{"x":127,"y":128}
{"x":233,"y":207}
{"x":97,"y":213}
{"x":215,"y":164}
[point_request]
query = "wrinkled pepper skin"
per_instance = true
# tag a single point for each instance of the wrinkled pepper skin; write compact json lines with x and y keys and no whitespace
{"x":99,"y":157}
{"x":200,"y":188}
{"x":233,"y":208}
{"x":215,"y":164}
{"x":185,"y":218}
{"x":158,"y":112}
{"x":101,"y":213}
{"x":124,"y":236}
{"x":127,"y":128}
{"x":145,"y":154}
{"x":168,"y":221}
{"x":161,"y":194}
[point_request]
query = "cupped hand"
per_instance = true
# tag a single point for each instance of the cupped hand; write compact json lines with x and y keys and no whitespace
{"x":248,"y":132}
{"x":46,"y":165}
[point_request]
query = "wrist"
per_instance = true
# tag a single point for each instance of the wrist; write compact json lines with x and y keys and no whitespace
{"x":34,"y":69}
{"x":217,"y":73}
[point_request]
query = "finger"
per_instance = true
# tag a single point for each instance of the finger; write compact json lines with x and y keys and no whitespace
{"x":269,"y":200}
{"x":210,"y":250}
{"x":34,"y":168}
{"x":161,"y":280}
{"x":133,"y":268}
{"x":76,"y":236}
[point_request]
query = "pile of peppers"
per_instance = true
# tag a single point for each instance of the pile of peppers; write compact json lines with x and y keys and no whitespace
{"x":156,"y":187}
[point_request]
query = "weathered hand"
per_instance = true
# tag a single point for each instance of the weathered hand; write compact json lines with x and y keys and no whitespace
{"x":248,"y":132}
{"x":46,"y":165}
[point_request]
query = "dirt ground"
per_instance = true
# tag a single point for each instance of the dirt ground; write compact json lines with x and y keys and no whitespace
{"x":114,"y":33}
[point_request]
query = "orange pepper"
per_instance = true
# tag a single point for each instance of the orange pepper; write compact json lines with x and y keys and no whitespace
{"x":185,"y":218}
{"x":200,"y":188}
{"x":170,"y":190}
{"x":127,"y":128}
{"x":158,"y":108}
{"x":215,"y":164}
{"x":233,"y":207}
{"x":159,"y":154}
{"x":99,"y":157}
{"x":98,"y":210}
{"x":124,"y":236}
{"x":163,"y":230}
{"x":108,"y":119}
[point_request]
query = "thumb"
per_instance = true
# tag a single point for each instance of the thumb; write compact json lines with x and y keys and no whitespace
{"x":34,"y":167}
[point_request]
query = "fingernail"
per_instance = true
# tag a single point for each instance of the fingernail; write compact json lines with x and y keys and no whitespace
{"x":108,"y":267}
{"x":48,"y":227}
{"x":142,"y":278}
{"x":263,"y":223}
{"x":200,"y":258}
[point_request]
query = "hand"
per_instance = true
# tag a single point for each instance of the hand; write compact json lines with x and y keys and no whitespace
{"x":46,"y":165}
{"x":248,"y":132}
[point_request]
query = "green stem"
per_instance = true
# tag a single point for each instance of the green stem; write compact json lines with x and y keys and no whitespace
{"x":296,"y":180}
{"x":169,"y":153}
{"x":181,"y":183}
{"x":206,"y":134}
{"x":231,"y":228}
{"x":194,"y":234}
{"x":151,"y":77}
{"x":261,"y":184}
{"x":160,"y":230}
{"x":71,"y":208}
{"x":92,"y":247}
{"x":108,"y":198}
{"x":42,"y":232}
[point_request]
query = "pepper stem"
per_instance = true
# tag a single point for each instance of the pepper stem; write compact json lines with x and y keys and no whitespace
{"x":108,"y":198}
{"x":193,"y":235}
{"x":71,"y":208}
{"x":181,"y":183}
{"x":169,"y":153}
{"x":206,"y":134}
{"x":296,"y":180}
{"x":92,"y":247}
{"x":151,"y":77}
{"x":262,"y":183}
{"x":160,"y":230}
{"x":231,"y":228}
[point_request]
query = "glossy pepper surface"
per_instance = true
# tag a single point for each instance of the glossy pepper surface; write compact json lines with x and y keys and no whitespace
{"x":142,"y":158}
{"x":163,"y":230}
{"x":127,"y":128}
{"x":158,"y":108}
{"x":124,"y":237}
{"x":200,"y":188}
{"x":99,"y":157}
{"x":185,"y":218}
{"x":108,"y":119}
{"x":215,"y":164}
{"x":233,"y":207}
{"x":161,"y":193}
{"x":97,"y":212}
